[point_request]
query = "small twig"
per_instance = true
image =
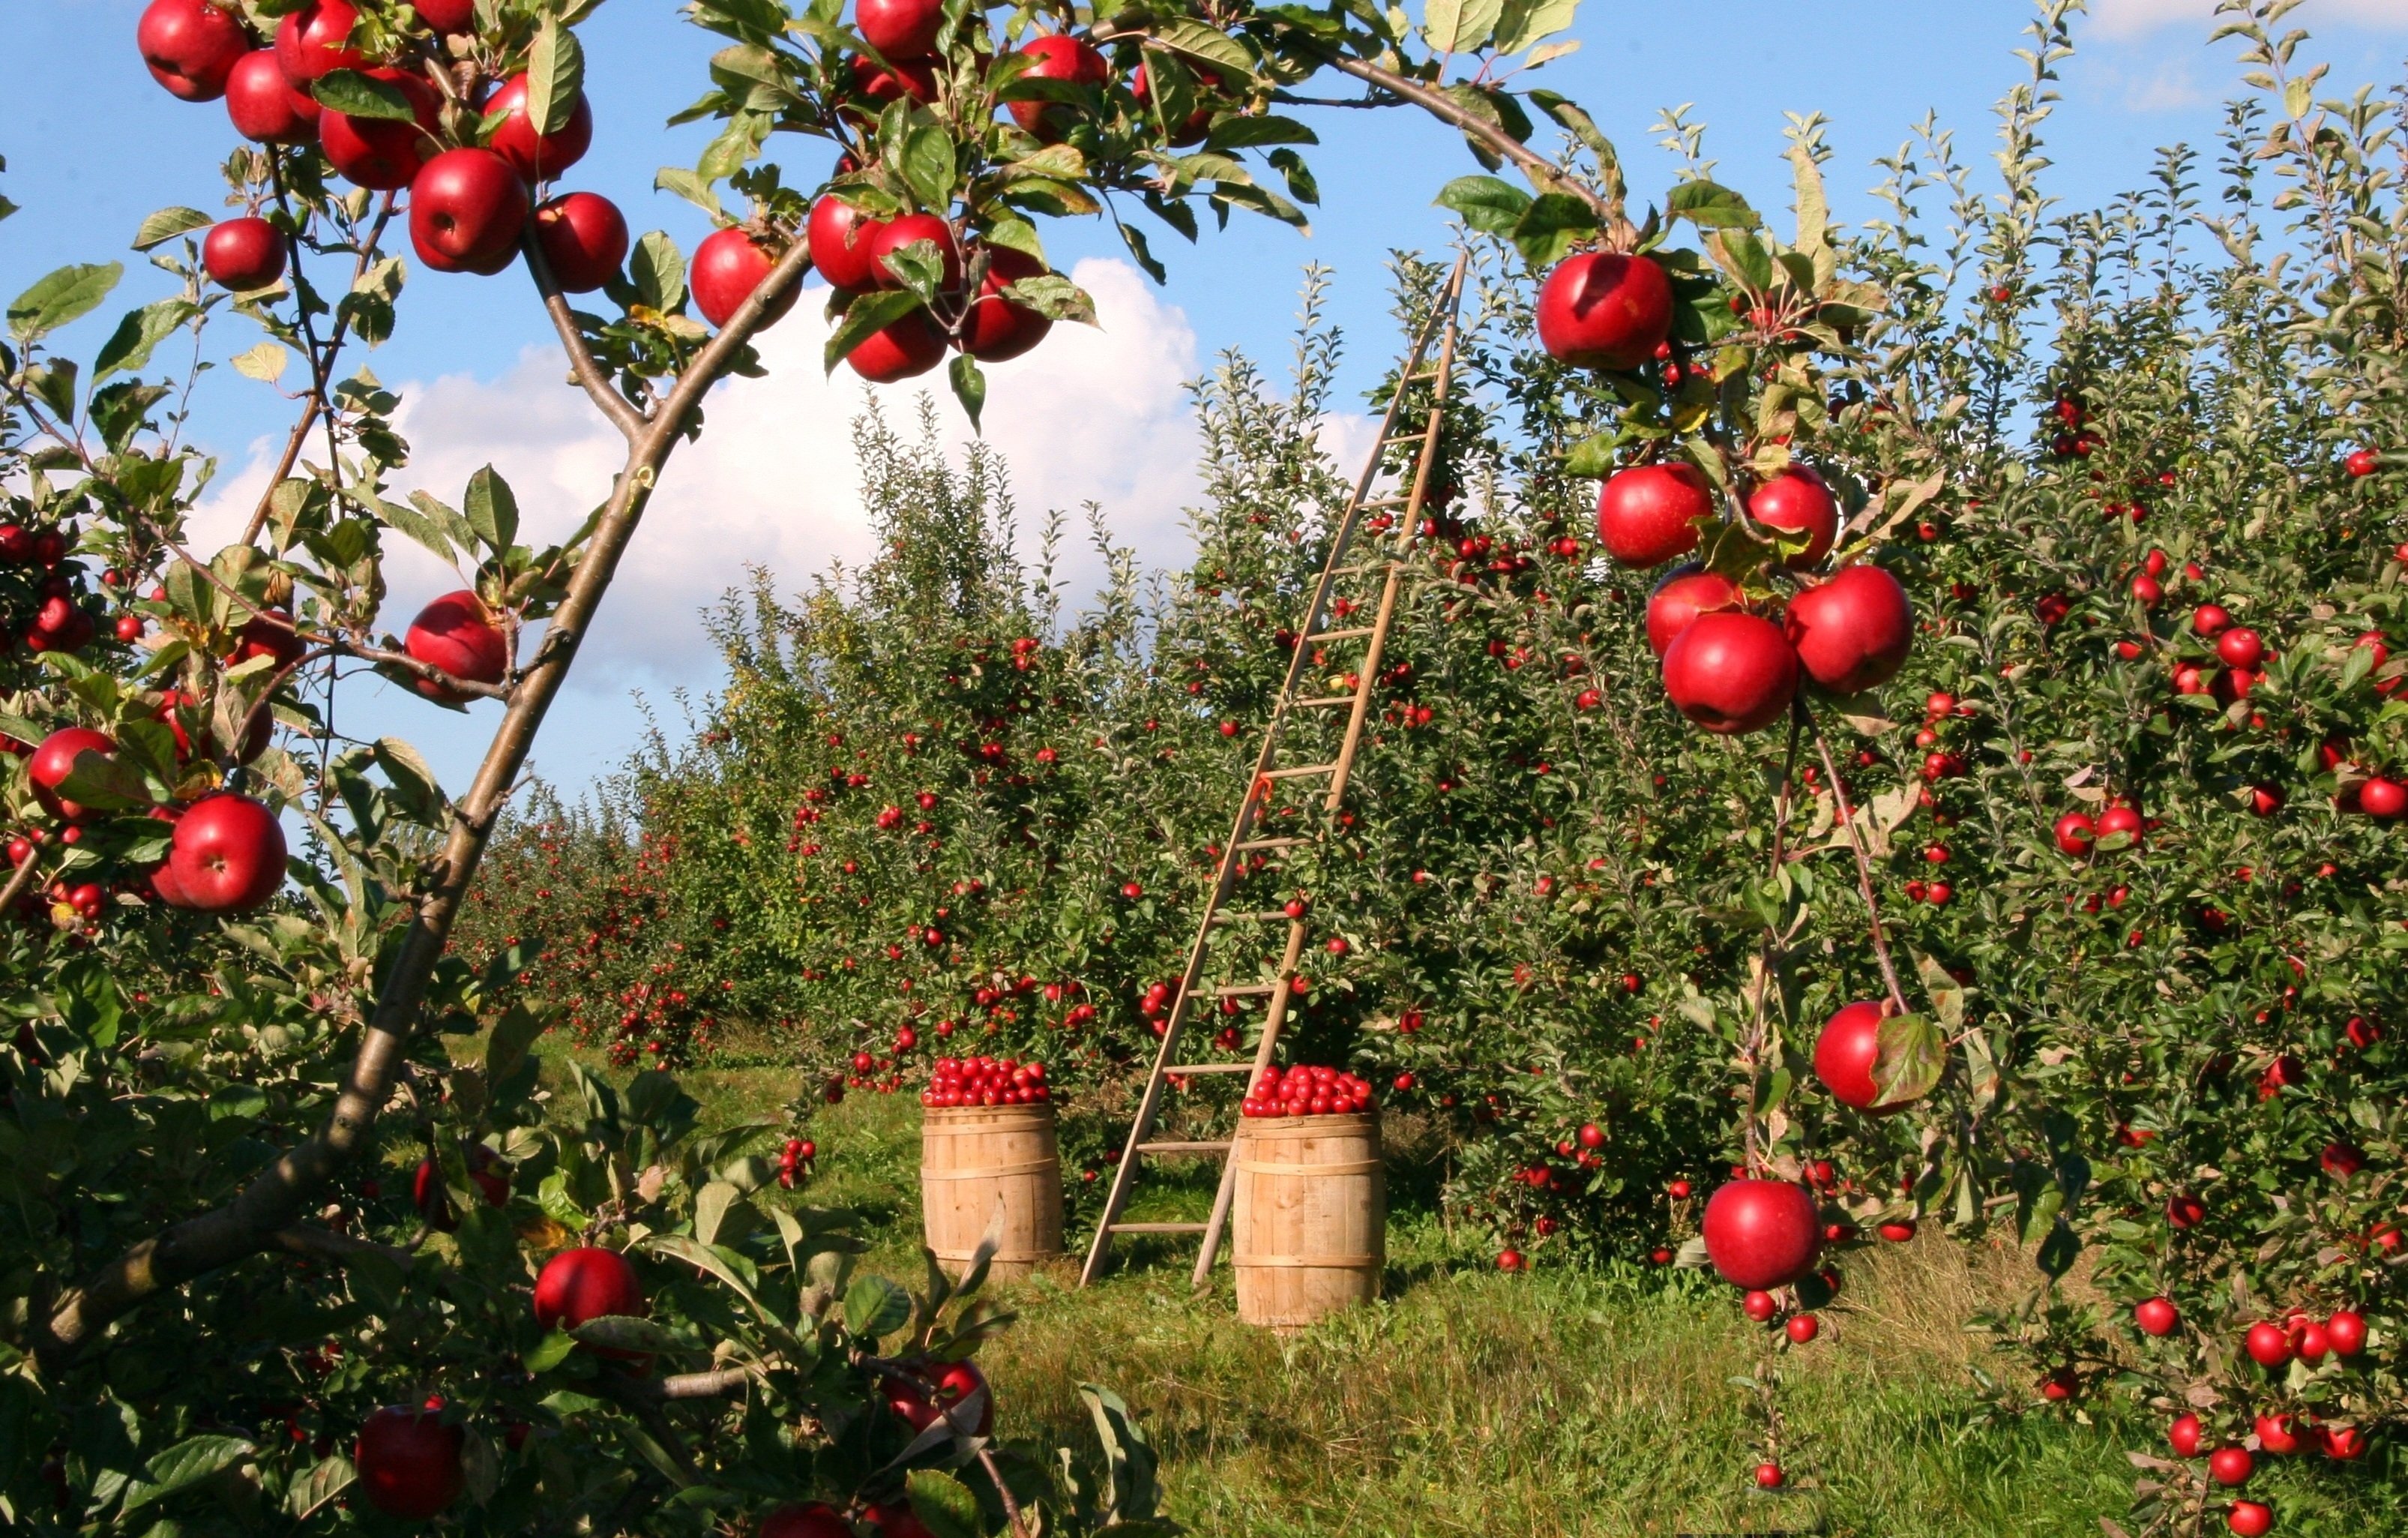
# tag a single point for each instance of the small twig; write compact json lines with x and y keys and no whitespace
{"x":622,"y":413}
{"x":21,"y":880}
{"x":1863,"y":863}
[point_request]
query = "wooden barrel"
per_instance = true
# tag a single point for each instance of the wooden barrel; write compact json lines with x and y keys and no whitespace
{"x":1309,"y":1218}
{"x":974,"y":1158}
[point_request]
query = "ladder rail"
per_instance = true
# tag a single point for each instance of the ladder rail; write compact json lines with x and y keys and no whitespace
{"x":1441,"y":325}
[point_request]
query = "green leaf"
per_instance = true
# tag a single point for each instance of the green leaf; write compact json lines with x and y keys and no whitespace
{"x":685,"y":184}
{"x":118,"y":410}
{"x":168,"y":223}
{"x":514,"y":1035}
{"x":1210,"y":44}
{"x":1053,"y":297}
{"x":657,"y":269}
{"x":183,"y":1465}
{"x":1710,"y":206}
{"x":1593,"y":458}
{"x":356,"y":95}
{"x":624,"y":1333}
{"x":1459,"y":26}
{"x":1245,"y":132}
{"x":555,"y":75}
{"x":265,"y":362}
{"x":550,"y":1351}
{"x":1908,"y":1066}
{"x":493,"y":508}
{"x":969,"y":386}
{"x":927,"y":165}
{"x":328,"y":1478}
{"x":1523,"y":23}
{"x":63,"y":295}
{"x":875,"y":1307}
{"x":1550,"y":226}
{"x":130,"y":346}
{"x":1742,"y":255}
{"x":1486,"y":204}
{"x":869,"y":314}
{"x":55,"y":384}
{"x":943,"y":1503}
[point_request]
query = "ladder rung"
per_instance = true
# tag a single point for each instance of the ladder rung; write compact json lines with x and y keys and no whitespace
{"x":1157,"y":1227}
{"x":1397,"y":502}
{"x":1419,"y":375}
{"x":1212,"y":1068}
{"x":1240,"y":990}
{"x":1184,"y":1147}
{"x":1298,"y":773}
{"x":1323,"y":702}
{"x":1242,"y":918}
{"x":1348,"y":634}
{"x":1270,"y":843}
{"x":1367,"y":566}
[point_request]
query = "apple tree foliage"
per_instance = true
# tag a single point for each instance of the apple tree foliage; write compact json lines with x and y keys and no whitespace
{"x":272,"y":1173}
{"x":2164,"y":1058}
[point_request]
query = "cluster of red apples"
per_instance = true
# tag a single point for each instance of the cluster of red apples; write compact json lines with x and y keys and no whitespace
{"x":1727,"y":665}
{"x":986,"y":1081}
{"x":1307,"y":1089}
{"x":471,"y":194}
{"x":469,"y":203}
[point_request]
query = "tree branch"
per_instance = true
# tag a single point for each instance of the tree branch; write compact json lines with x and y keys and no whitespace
{"x":21,"y":880}
{"x":276,"y":1199}
{"x":341,"y":1248}
{"x":596,"y":385}
{"x":1864,"y":866}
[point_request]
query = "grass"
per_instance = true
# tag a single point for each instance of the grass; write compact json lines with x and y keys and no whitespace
{"x":1551,"y":1404}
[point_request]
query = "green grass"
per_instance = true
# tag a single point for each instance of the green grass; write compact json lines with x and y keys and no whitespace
{"x":1553,"y":1403}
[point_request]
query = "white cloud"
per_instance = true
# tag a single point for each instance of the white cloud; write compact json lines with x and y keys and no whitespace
{"x":2130,"y":18}
{"x":1092,"y":415}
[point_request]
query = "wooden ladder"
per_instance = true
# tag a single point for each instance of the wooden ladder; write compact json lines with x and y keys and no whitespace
{"x":1399,"y":425}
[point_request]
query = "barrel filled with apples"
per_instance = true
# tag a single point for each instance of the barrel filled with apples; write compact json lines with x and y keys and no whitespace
{"x":1309,"y":1215}
{"x":987,"y":1145}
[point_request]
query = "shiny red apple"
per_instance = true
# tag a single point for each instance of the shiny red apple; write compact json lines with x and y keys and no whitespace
{"x":1649,"y":514}
{"x":1602,"y":309}
{"x":1853,"y":632}
{"x":466,"y":209}
{"x":585,"y":240}
{"x":1731,"y":672}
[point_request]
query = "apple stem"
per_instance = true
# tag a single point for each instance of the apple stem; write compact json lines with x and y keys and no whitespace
{"x":1864,"y":864}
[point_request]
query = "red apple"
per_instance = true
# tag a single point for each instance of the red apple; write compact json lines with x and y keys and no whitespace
{"x":1761,"y":1233}
{"x":2346,"y":1332}
{"x":2268,"y":1346}
{"x":839,"y":236}
{"x":996,"y":329}
{"x":895,"y":1520}
{"x":453,"y":17}
{"x":2076,"y":834}
{"x":585,"y":239}
{"x":2121,"y":820}
{"x":1680,"y":597}
{"x":1648,"y":513}
{"x":2241,"y":647}
{"x":2383,"y":798}
{"x":1853,"y":632}
{"x":491,"y":1177}
{"x":1844,"y":1055}
{"x":813,"y":1521}
{"x":457,"y":634}
{"x":1803,"y":1328}
{"x":2185,"y":1210}
{"x":537,"y":157}
{"x":408,"y":1462}
{"x":904,"y":350}
{"x":900,"y":29}
{"x":2210,"y":619}
{"x":191,"y":47}
{"x":578,"y":1285}
{"x":1759,"y":1305}
{"x":315,"y":40}
{"x":728,"y":266}
{"x":2342,"y":1443}
{"x":467,"y":207}
{"x":1731,"y":672}
{"x":1769,"y":1476}
{"x":243,"y":254}
{"x":1198,"y":125}
{"x":913,"y":77}
{"x":1601,"y":309}
{"x":896,"y":233}
{"x":2277,"y":1434}
{"x":1799,"y":501}
{"x":954,"y":1382}
{"x":264,"y":106}
{"x":2250,"y":1519}
{"x":377,"y":152}
{"x":2230,"y":1465}
{"x":2156,"y":1317}
{"x":2184,"y":1436}
{"x":1062,"y":58}
{"x":227,"y":855}
{"x":54,"y":759}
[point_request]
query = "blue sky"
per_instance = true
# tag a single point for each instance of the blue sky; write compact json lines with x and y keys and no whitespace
{"x":92,"y":144}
